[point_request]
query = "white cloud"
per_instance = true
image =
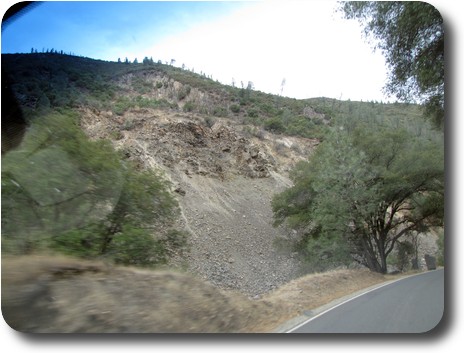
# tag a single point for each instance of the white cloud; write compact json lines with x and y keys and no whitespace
{"x":305,"y":42}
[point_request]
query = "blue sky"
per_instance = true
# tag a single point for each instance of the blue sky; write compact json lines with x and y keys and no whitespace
{"x":101,"y":29}
{"x":304,"y":42}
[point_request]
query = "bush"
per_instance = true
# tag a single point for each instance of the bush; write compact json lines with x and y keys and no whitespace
{"x":274,"y":125}
{"x":234,"y":108}
{"x":209,"y":121}
{"x":183,"y":92}
{"x":253,"y":113}
{"x":121,"y":106}
{"x":189,"y":106}
{"x":405,"y":251}
{"x":128,"y":125}
{"x":176,"y":241}
{"x":254,"y":131}
{"x":66,"y":193}
{"x":135,"y":246}
{"x":84,"y":243}
{"x":324,"y":253}
{"x":220,"y":111}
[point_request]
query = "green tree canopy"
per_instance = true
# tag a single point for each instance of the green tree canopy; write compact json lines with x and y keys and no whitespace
{"x":365,"y":189}
{"x":410,"y":35}
{"x":64,"y":192}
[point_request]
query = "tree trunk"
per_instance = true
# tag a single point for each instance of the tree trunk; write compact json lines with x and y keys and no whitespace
{"x":371,"y":260}
{"x":383,"y":257}
{"x":108,"y":236}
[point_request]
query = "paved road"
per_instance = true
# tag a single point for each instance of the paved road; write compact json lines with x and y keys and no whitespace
{"x":411,"y":305}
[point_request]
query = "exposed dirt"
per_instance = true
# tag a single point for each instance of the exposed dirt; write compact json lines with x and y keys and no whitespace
{"x":224,"y":179}
{"x":58,"y":294}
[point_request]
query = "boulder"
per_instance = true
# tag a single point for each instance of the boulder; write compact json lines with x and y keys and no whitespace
{"x":430,"y":262}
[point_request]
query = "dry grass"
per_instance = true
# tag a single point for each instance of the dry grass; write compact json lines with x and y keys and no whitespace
{"x":312,"y":291}
{"x":57,"y":294}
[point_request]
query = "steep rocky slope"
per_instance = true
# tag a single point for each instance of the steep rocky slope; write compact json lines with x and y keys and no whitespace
{"x":224,"y":178}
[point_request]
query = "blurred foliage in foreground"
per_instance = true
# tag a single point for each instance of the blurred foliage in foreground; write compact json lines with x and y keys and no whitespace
{"x":65,"y":193}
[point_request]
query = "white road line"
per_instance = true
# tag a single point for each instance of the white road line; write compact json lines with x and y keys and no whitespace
{"x":350,"y":299}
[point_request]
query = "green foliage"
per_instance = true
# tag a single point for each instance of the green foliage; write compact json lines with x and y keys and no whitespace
{"x":253,"y":113}
{"x":235,"y":108}
{"x":123,"y":104}
{"x":274,"y":125}
{"x":369,"y":186}
{"x":135,"y":246}
{"x":402,"y":258}
{"x":220,"y":111}
{"x":176,"y":241}
{"x":56,"y":178}
{"x":84,"y":242}
{"x":63,"y":192}
{"x":66,"y":81}
{"x":183,"y":92}
{"x":141,"y":86}
{"x":69,"y":82}
{"x":145,"y":198}
{"x":323,"y":253}
{"x":189,"y":106}
{"x":411,"y":37}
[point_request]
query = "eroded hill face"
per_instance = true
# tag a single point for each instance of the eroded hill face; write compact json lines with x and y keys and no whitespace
{"x":225,"y":179}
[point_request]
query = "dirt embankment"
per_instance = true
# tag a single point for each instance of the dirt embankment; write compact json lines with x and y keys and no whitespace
{"x":57,"y":294}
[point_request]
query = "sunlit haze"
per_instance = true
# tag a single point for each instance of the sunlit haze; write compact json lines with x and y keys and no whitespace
{"x":305,"y":44}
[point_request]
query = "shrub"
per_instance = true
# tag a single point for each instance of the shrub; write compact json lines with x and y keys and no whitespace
{"x":220,"y":111}
{"x":121,"y":106}
{"x":66,"y":193}
{"x":176,"y":241}
{"x":128,"y":125}
{"x":189,"y":106}
{"x":209,"y":121}
{"x":274,"y":125}
{"x":253,"y":113}
{"x":183,"y":92}
{"x":322,"y":254}
{"x":135,"y":246}
{"x":234,"y":108}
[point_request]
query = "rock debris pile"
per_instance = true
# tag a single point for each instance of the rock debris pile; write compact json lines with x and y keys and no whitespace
{"x":225,"y":181}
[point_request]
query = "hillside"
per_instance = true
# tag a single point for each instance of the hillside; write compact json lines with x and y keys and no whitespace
{"x":225,"y":150}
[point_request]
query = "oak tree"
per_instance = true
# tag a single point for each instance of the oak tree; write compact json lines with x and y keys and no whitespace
{"x":411,"y":36}
{"x":364,"y":190}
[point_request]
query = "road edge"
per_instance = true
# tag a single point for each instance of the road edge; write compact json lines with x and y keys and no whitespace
{"x":291,"y":325}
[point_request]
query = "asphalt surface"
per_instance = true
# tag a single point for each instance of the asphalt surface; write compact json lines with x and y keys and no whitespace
{"x":411,"y":305}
